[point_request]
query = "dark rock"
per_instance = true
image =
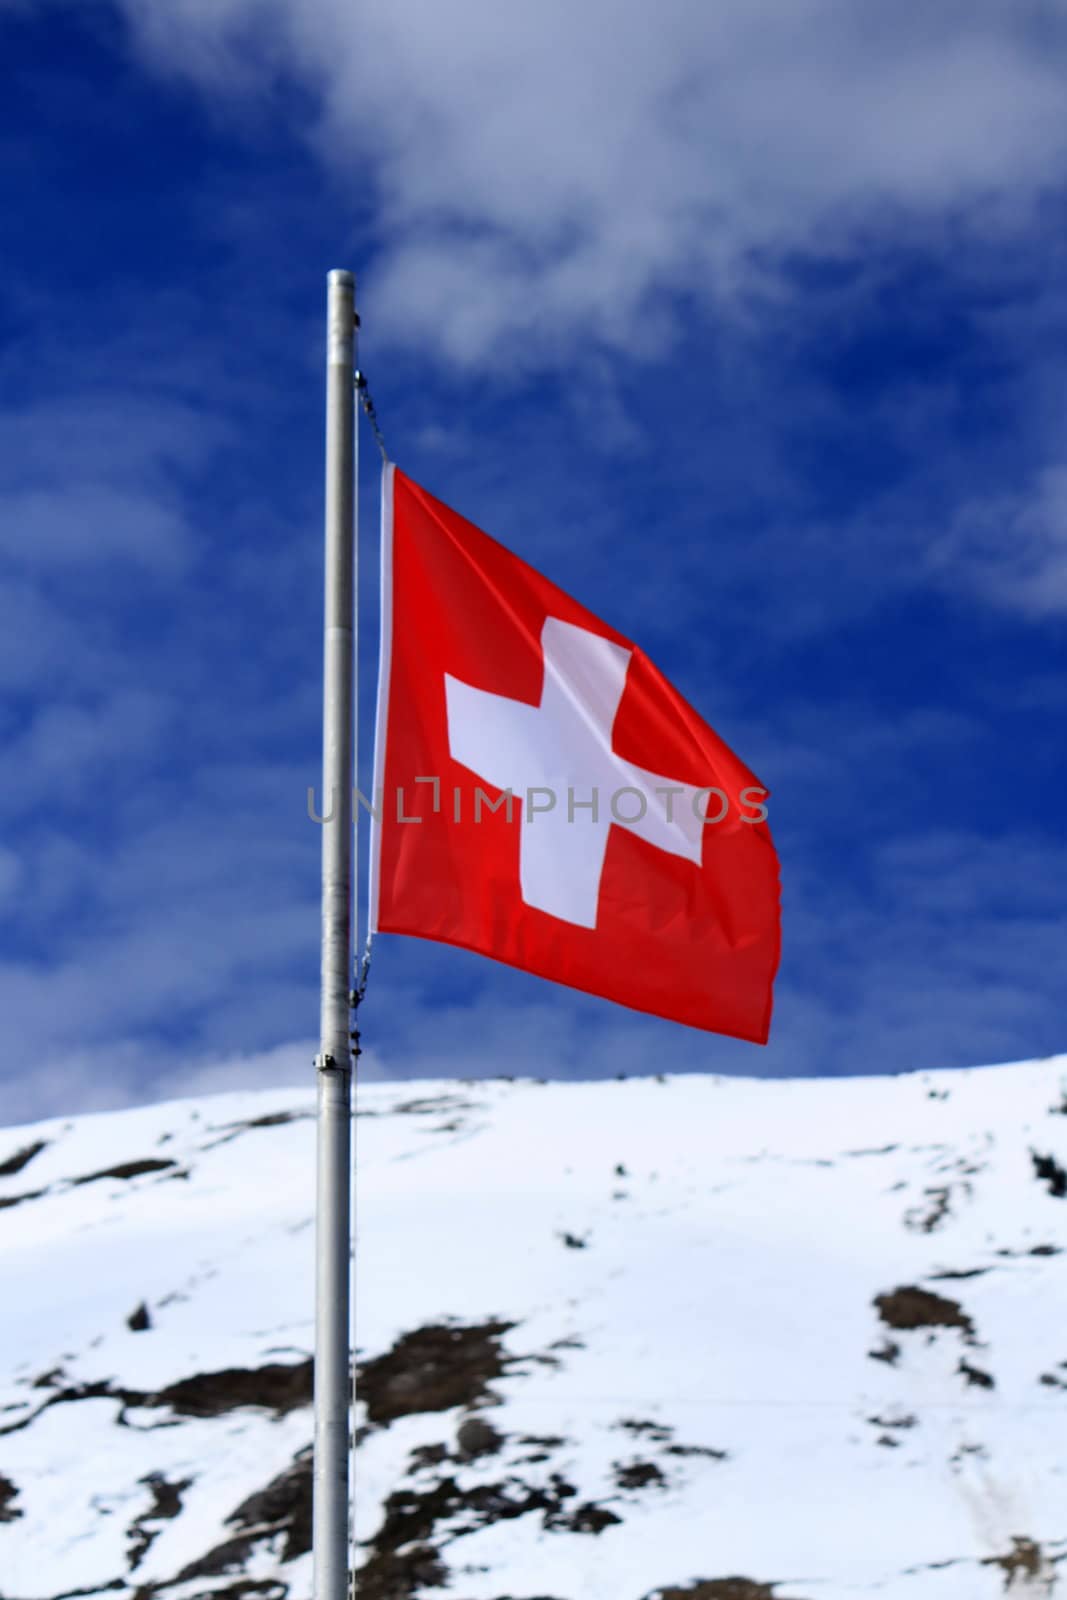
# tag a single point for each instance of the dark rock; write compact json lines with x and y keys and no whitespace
{"x":231,"y":1555}
{"x":166,"y":1504}
{"x":587,"y":1518}
{"x":127,"y":1169}
{"x":243,"y":1589}
{"x":9,"y":1200}
{"x":911,"y":1307}
{"x":926,"y":1220}
{"x":278,"y":1119}
{"x":976,"y":1379}
{"x":1047,"y":1170}
{"x":637,"y":1474}
{"x":720,"y":1589}
{"x":8,"y":1495}
{"x":1024,"y":1560}
{"x":284,"y":1506}
{"x":697,"y":1450}
{"x":1035,"y":1250}
{"x":433,"y":1369}
{"x":650,"y":1430}
{"x":275,"y":1388}
{"x":228,"y":1131}
{"x":403,"y":1558}
{"x":50,"y":1379}
{"x":21,"y":1158}
{"x":476,"y":1437}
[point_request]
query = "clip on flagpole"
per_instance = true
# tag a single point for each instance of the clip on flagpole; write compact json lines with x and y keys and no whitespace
{"x":333,"y":1227}
{"x":371,"y":415}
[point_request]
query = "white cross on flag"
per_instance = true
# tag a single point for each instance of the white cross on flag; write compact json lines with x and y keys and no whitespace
{"x":544,"y":796}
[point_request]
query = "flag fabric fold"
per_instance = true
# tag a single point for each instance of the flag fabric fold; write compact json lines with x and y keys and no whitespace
{"x":545,"y":797}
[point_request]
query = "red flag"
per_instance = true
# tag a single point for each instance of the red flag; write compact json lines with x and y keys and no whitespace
{"x":545,"y":797}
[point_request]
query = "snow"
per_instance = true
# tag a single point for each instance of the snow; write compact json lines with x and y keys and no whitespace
{"x":717,"y":1295}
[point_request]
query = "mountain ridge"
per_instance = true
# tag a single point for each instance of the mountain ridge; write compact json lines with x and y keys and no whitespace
{"x":664,"y":1338}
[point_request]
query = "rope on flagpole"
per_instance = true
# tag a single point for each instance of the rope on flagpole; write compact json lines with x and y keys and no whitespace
{"x":360,"y":987}
{"x":355,"y":1000}
{"x":369,"y":412}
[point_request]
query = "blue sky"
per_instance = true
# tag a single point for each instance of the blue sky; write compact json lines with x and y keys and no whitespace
{"x":747,"y":324}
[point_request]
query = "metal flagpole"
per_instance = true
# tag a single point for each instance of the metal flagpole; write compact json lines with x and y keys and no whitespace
{"x":334,"y":1061}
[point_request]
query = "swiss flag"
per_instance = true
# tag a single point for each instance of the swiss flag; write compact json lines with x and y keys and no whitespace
{"x":545,"y":797}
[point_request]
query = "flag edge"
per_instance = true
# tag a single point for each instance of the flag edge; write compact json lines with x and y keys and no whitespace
{"x":381,"y":714}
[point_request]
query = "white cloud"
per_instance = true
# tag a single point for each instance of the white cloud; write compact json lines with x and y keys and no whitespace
{"x":91,"y":479}
{"x":107,"y":434}
{"x":88,"y":525}
{"x":11,"y":875}
{"x":67,"y":747}
{"x":543,"y":169}
{"x":1012,"y":550}
{"x":32,"y":623}
{"x":284,"y":1066}
{"x":128,"y":1072}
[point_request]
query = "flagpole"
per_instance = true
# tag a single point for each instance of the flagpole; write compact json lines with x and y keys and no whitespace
{"x":334,"y":1061}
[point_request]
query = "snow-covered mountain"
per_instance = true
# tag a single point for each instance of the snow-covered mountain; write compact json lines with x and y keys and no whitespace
{"x":678,"y":1337}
